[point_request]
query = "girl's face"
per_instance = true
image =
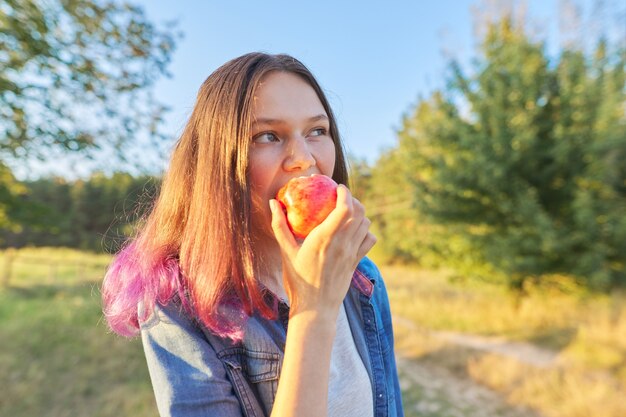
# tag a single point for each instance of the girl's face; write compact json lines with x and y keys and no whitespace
{"x":290,"y":138}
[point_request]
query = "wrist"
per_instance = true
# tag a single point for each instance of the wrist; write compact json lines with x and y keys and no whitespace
{"x":318,"y":319}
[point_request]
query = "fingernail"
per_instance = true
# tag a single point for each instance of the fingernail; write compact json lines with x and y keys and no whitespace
{"x":272,"y":205}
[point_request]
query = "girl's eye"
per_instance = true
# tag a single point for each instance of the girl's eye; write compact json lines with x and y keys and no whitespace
{"x":320,"y":131}
{"x":265,"y":137}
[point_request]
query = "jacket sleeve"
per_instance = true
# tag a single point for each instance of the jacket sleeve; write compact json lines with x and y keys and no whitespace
{"x":187,"y":377}
{"x":387,"y":322}
{"x":385,"y":314}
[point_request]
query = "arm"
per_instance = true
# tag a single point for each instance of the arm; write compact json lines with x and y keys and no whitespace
{"x":316,"y":275}
{"x":187,"y":377}
{"x":303,"y":384}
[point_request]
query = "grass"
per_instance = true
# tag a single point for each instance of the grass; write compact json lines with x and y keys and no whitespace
{"x":556,"y":392}
{"x":587,"y":332}
{"x":56,"y":356}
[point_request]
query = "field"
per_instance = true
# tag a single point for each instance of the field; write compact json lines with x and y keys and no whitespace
{"x":463,"y":347}
{"x":56,"y":357}
{"x":560,"y":352}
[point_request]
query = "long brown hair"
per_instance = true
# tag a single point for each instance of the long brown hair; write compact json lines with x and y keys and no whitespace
{"x":196,"y":241}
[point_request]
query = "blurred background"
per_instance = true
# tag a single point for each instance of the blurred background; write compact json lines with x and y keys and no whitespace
{"x":487,"y":140}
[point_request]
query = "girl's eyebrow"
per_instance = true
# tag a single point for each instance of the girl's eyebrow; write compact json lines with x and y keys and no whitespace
{"x":270,"y":121}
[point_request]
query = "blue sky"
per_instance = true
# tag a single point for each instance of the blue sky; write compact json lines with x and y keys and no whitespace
{"x":373,"y":58}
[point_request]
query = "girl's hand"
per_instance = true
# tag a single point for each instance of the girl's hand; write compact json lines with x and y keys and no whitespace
{"x":317,"y":271}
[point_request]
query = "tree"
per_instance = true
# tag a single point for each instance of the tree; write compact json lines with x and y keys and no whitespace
{"x":98,"y":214}
{"x":76,"y":75}
{"x":360,"y":176}
{"x":10,"y":204}
{"x":44,"y":217}
{"x":389,"y":204}
{"x":523,"y":161}
{"x":106,"y":208}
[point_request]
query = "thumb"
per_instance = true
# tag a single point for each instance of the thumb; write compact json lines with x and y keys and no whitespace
{"x":284,"y":237}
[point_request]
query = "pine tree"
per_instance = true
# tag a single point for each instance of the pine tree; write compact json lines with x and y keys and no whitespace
{"x":522,"y":163}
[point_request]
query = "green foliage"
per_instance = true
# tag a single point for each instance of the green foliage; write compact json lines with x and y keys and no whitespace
{"x":389,"y":206}
{"x":521,"y":165}
{"x":75,"y":75}
{"x":360,"y":176}
{"x":10,"y":189}
{"x":97,"y":214}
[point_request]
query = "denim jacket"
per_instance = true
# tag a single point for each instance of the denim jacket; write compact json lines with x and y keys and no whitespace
{"x":195,"y":373}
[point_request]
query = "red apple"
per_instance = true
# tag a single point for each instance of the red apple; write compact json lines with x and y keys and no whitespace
{"x":307,"y":202}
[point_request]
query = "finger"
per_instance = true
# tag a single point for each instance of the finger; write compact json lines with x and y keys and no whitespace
{"x":283,"y":235}
{"x":362,"y":230}
{"x":344,"y":199}
{"x":360,"y":241}
{"x":358,"y":207}
{"x":343,"y":208}
{"x":368,"y":243}
{"x":355,"y":222}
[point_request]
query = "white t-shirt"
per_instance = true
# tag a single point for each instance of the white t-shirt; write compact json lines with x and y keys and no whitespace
{"x":349,"y":385}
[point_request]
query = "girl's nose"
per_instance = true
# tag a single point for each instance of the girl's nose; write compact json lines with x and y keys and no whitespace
{"x":299,"y":156}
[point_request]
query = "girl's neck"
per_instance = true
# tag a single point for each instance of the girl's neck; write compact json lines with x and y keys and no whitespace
{"x":269,"y":267}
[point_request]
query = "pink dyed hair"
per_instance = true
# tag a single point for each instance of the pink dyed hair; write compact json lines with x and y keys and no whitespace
{"x":195,"y":244}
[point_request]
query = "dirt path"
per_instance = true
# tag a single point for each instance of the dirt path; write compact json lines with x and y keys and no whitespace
{"x":522,"y":352}
{"x":431,"y":389}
